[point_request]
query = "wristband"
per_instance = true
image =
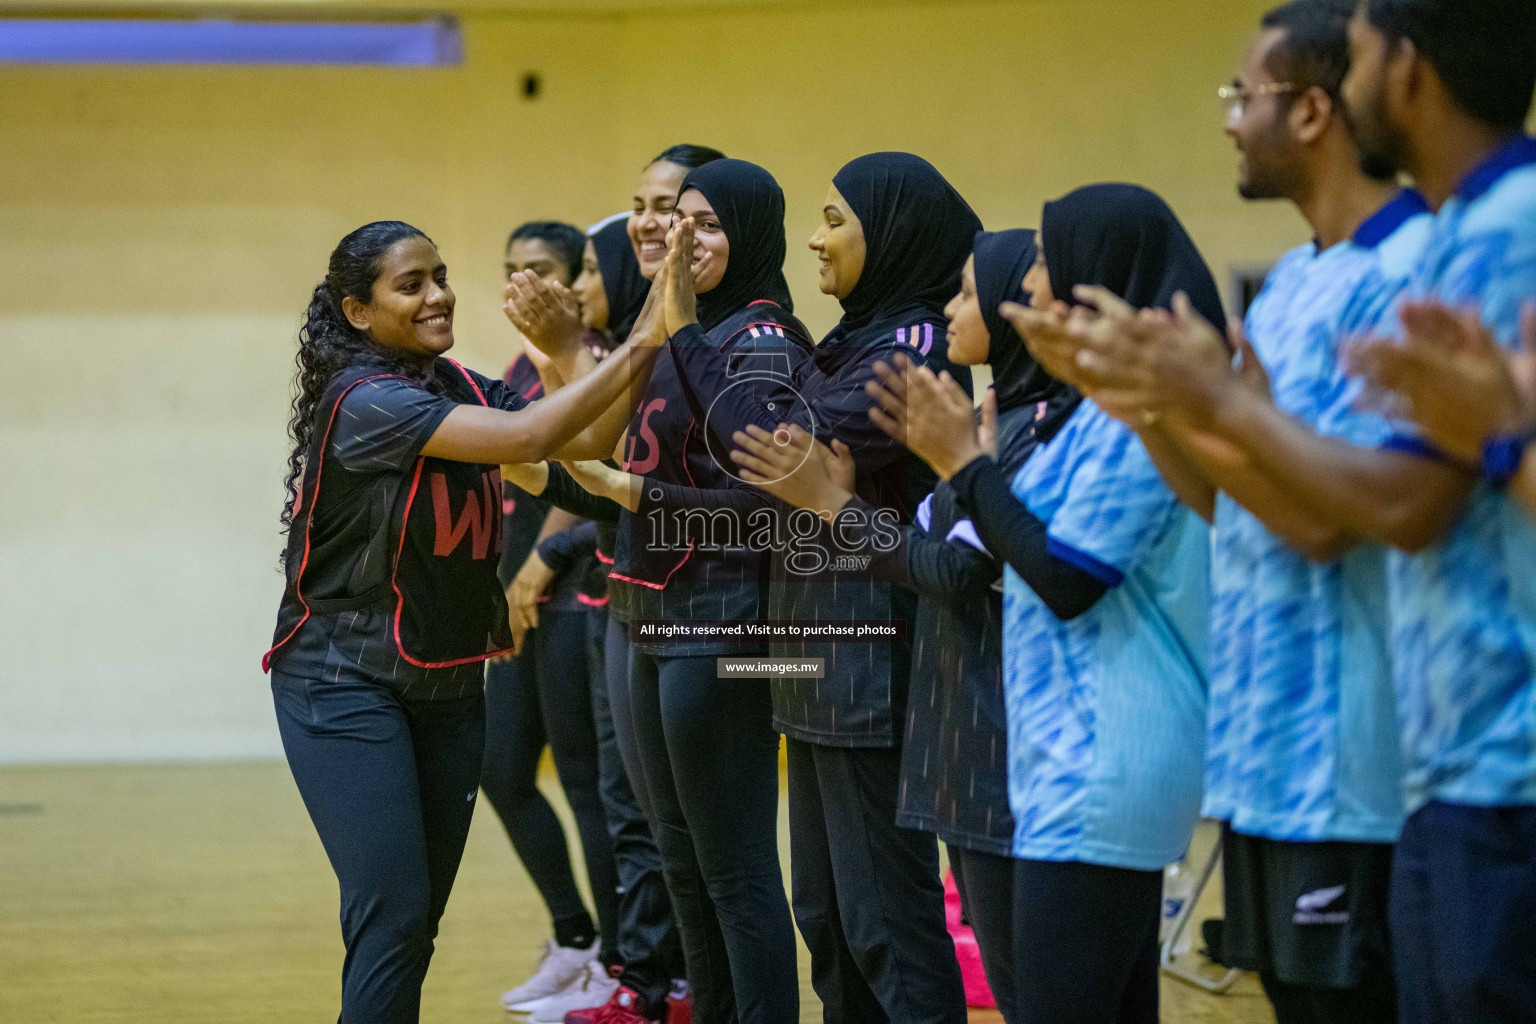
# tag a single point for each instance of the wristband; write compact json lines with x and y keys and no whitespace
{"x":1503,"y":453}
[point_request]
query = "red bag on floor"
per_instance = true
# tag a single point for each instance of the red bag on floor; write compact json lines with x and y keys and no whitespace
{"x":977,"y":992}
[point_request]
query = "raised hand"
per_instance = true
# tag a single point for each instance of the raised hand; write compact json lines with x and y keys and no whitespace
{"x":1249,"y":368}
{"x":889,"y":390}
{"x":542,"y":363}
{"x":1139,"y":365}
{"x":986,"y":434}
{"x":840,"y":465}
{"x":1111,"y":336}
{"x":650,"y":329}
{"x":794,"y":467}
{"x":1046,"y":335}
{"x":546,"y":313}
{"x":1452,"y":377}
{"x":679,"y":301}
{"x":935,"y":415}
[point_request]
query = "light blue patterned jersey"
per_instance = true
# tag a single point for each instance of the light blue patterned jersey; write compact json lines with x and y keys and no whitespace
{"x":1464,"y":611}
{"x":1106,"y":712}
{"x":1302,"y":739}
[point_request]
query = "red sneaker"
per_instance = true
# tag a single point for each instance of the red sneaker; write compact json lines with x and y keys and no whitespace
{"x":626,"y":1006}
{"x":585,"y":1016}
{"x":588,"y":1014}
{"x":680,"y":1004}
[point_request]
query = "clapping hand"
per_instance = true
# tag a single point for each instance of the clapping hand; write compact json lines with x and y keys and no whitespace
{"x":796,"y":468}
{"x":679,"y":300}
{"x":1451,"y":376}
{"x":650,"y":329}
{"x":1046,"y":335}
{"x":1138,"y":364}
{"x":930,"y":414}
{"x":546,"y":313}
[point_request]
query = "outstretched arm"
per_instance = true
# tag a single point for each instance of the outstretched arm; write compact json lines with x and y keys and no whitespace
{"x":571,"y":423}
{"x":934,"y":418}
{"x":546,"y":314}
{"x":1015,"y":535}
{"x":561,"y":425}
{"x":555,"y":485}
{"x":1405,"y":500}
{"x":1320,"y":493}
{"x":641,"y":495}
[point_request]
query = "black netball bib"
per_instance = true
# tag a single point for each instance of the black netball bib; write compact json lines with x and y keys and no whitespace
{"x":386,"y":567}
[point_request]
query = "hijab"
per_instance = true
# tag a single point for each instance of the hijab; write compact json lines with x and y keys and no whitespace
{"x":622,"y":283}
{"x":1126,"y":239}
{"x":917,"y":234}
{"x":1031,"y":404}
{"x":750,"y":206}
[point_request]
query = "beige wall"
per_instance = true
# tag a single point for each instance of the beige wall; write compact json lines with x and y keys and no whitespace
{"x":160,"y":230}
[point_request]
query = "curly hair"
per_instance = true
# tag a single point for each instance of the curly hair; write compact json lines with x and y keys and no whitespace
{"x":329,"y":344}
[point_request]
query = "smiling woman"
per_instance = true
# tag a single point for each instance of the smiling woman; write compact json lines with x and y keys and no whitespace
{"x":410,"y":308}
{"x":656,"y":198}
{"x":839,"y":246}
{"x":392,"y":599}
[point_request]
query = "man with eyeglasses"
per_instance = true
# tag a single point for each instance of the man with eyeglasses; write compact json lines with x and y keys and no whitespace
{"x":1302,"y":759}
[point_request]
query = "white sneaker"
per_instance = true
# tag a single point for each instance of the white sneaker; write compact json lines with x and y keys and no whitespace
{"x":559,"y":967}
{"x":592,"y":989}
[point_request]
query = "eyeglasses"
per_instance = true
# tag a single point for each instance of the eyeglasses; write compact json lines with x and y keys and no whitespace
{"x":1236,"y":97}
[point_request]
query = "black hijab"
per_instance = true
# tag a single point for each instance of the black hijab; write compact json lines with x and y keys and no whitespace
{"x":917,"y":234}
{"x":1031,"y":404}
{"x":1126,"y":239}
{"x":750,"y":206}
{"x":622,"y":283}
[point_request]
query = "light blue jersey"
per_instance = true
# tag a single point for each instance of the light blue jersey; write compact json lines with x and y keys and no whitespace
{"x":1302,"y":741}
{"x":1464,"y":611}
{"x":1106,"y":712}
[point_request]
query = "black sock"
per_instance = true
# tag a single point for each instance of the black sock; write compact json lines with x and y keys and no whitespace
{"x":575,"y":931}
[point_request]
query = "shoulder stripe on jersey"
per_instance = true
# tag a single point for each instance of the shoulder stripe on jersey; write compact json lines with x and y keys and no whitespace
{"x":918,"y":336}
{"x":478,"y":393}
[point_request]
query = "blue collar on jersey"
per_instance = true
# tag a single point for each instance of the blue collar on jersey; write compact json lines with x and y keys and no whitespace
{"x":1378,"y":227}
{"x":1517,"y":152}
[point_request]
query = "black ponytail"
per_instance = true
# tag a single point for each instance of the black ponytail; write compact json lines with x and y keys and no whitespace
{"x":688,"y":155}
{"x":329,"y":344}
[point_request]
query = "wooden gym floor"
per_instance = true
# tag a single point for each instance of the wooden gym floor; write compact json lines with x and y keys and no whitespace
{"x":195,"y":894}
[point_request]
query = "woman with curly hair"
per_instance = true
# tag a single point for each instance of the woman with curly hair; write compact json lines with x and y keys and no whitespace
{"x":392,"y":601}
